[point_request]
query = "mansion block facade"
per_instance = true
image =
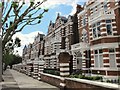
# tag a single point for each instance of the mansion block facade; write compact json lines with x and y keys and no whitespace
{"x":91,"y":36}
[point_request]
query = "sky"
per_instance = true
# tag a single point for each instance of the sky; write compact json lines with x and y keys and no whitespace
{"x":64,"y":7}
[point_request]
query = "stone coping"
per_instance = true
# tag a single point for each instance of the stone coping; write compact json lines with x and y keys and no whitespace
{"x":96,"y":83}
{"x":54,"y":76}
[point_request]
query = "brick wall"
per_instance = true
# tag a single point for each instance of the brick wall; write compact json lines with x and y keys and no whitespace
{"x":76,"y":84}
{"x":51,"y":79}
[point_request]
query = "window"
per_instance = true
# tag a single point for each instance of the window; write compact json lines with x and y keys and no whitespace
{"x":112,"y":59}
{"x":94,"y":33}
{"x":105,"y":6}
{"x":96,"y":51}
{"x":96,"y":30}
{"x":84,"y":36}
{"x":108,"y":21}
{"x":98,"y":58}
{"x":109,"y":27}
{"x":84,"y":21}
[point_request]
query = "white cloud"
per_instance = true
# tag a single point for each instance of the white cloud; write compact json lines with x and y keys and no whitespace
{"x":25,"y":39}
{"x":55,"y":3}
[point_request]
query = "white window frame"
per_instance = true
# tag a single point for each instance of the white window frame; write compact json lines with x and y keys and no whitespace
{"x":95,"y":27}
{"x":99,"y":64}
{"x":111,"y":27}
{"x":84,"y":36}
{"x":84,"y":20}
{"x":112,"y":53}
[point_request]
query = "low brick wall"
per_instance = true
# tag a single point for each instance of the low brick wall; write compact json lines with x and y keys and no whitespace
{"x":81,"y":84}
{"x":51,"y":79}
{"x":77,"y":84}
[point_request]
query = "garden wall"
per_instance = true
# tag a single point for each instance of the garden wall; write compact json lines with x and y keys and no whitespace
{"x":76,"y":84}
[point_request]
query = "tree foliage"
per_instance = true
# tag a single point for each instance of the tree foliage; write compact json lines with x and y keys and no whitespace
{"x":16,"y":60}
{"x":11,"y":59}
{"x":8,"y":57}
{"x":11,"y":45}
{"x":15,"y":16}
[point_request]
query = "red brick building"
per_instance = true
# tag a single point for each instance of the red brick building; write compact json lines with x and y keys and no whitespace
{"x":99,"y":31}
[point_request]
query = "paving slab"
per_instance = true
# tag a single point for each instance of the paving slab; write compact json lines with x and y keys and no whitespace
{"x":9,"y":82}
{"x":28,"y":83}
{"x":14,"y":80}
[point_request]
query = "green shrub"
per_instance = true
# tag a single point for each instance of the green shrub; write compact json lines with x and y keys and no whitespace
{"x":90,"y":78}
{"x":53,"y":72}
{"x":76,"y":76}
{"x":97,"y":78}
{"x":71,"y":76}
{"x":86,"y":77}
{"x":108,"y":81}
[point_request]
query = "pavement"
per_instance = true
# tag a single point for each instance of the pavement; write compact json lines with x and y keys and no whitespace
{"x":14,"y":80}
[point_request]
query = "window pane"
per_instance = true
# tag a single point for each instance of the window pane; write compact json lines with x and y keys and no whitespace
{"x":109,"y":31}
{"x":77,"y":61}
{"x":101,"y":60}
{"x":111,"y":50}
{"x":100,"y":51}
{"x":94,"y":33}
{"x":94,"y":25}
{"x":84,"y":21}
{"x":96,"y":61}
{"x":112,"y":60}
{"x":98,"y":23}
{"x":105,"y":6}
{"x":108,"y":21}
{"x":99,"y":32}
{"x":96,"y":51}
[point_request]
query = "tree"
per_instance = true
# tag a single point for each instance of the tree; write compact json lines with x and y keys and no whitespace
{"x":8,"y":57}
{"x":15,"y":16}
{"x":18,"y":15}
{"x":16,"y":60}
{"x":11,"y":59}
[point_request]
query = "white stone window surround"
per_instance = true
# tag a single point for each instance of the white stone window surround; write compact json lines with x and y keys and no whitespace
{"x":96,"y":30}
{"x":112,"y":58}
{"x":84,"y":20}
{"x":84,"y":36}
{"x":98,"y":58}
{"x":111,"y":27}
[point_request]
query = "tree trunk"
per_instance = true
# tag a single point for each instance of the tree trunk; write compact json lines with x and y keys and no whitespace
{"x":0,"y":59}
{"x":0,"y":45}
